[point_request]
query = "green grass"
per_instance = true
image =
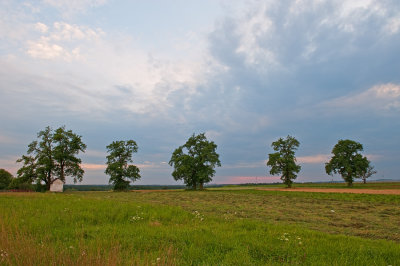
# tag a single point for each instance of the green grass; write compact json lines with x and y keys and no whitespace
{"x":356,"y":185}
{"x":216,"y":227}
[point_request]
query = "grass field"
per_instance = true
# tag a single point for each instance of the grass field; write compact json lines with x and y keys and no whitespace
{"x":214,"y":227}
{"x":356,"y":185}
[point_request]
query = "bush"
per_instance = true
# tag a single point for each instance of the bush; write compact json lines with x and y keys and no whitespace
{"x":5,"y":179}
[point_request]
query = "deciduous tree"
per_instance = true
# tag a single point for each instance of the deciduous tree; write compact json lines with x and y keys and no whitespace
{"x":368,"y":173}
{"x":53,"y":156}
{"x":118,"y":168}
{"x":283,"y":161}
{"x":194,"y":162}
{"x":67,"y":146}
{"x":347,"y":161}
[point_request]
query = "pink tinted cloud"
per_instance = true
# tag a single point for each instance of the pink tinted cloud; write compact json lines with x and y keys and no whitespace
{"x":248,"y":179}
{"x":323,"y":158}
{"x":92,"y":166}
{"x":319,"y":158}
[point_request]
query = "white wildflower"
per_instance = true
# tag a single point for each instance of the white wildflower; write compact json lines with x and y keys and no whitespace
{"x":136,"y":218}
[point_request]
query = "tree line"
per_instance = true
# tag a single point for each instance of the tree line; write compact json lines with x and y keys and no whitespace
{"x":54,"y":155}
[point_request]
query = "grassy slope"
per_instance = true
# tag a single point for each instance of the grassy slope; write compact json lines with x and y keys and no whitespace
{"x":213,"y":227}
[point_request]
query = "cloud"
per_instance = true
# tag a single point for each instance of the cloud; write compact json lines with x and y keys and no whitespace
{"x":96,"y":153}
{"x":9,"y":163}
{"x":239,"y":165}
{"x":383,"y":97}
{"x":62,"y":40}
{"x":42,"y":28}
{"x":71,"y":7}
{"x":144,"y":165}
{"x":393,"y":25}
{"x":92,"y":166}
{"x":247,"y":179}
{"x":4,"y":139}
{"x":324,"y":158}
{"x":374,"y":157}
{"x":269,"y":69}
{"x":314,"y":159}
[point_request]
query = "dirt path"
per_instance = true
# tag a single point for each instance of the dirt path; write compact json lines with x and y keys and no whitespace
{"x":338,"y":190}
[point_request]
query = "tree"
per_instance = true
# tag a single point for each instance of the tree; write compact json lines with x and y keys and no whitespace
{"x":120,"y":172}
{"x":347,"y":161}
{"x":283,"y":161}
{"x":53,"y":156}
{"x":194,"y":162}
{"x":67,"y":146}
{"x":26,"y":175}
{"x":368,"y":173}
{"x":5,"y":179}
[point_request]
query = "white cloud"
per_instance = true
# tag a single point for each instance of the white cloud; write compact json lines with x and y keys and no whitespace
{"x":44,"y":50}
{"x":393,"y":25}
{"x":62,"y":41}
{"x":250,"y":29}
{"x":41,"y":27}
{"x":383,"y":97}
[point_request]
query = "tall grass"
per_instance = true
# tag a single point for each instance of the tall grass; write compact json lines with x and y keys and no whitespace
{"x":123,"y":229}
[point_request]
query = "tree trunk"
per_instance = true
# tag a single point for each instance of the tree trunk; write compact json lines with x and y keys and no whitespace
{"x":48,"y":182}
{"x":62,"y":172}
{"x":201,"y":186}
{"x":365,"y":180}
{"x":194,"y":186}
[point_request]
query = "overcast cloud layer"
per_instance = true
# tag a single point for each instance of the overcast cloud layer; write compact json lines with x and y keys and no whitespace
{"x":246,"y":73}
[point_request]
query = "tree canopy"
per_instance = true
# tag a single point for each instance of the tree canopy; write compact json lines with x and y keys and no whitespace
{"x":194,"y":162}
{"x":347,"y":161}
{"x":283,"y":161}
{"x":53,"y":156}
{"x":118,"y":168}
{"x":5,"y":178}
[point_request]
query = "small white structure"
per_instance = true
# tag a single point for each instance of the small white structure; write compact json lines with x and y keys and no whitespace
{"x":57,"y":186}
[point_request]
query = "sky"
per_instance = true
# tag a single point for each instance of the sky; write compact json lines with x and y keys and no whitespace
{"x":244,"y":72}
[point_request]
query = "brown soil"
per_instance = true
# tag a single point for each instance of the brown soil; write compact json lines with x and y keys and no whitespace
{"x":338,"y":190}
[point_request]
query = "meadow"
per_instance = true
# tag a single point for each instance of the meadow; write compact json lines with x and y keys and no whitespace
{"x":220,"y":226}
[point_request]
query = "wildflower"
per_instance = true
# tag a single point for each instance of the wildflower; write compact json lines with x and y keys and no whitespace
{"x":3,"y":253}
{"x":158,"y":259}
{"x":197,"y":215}
{"x":136,"y":218}
{"x":332,"y":211}
{"x":284,"y":237}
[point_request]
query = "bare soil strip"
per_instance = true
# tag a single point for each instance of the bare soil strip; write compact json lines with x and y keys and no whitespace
{"x":338,"y":190}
